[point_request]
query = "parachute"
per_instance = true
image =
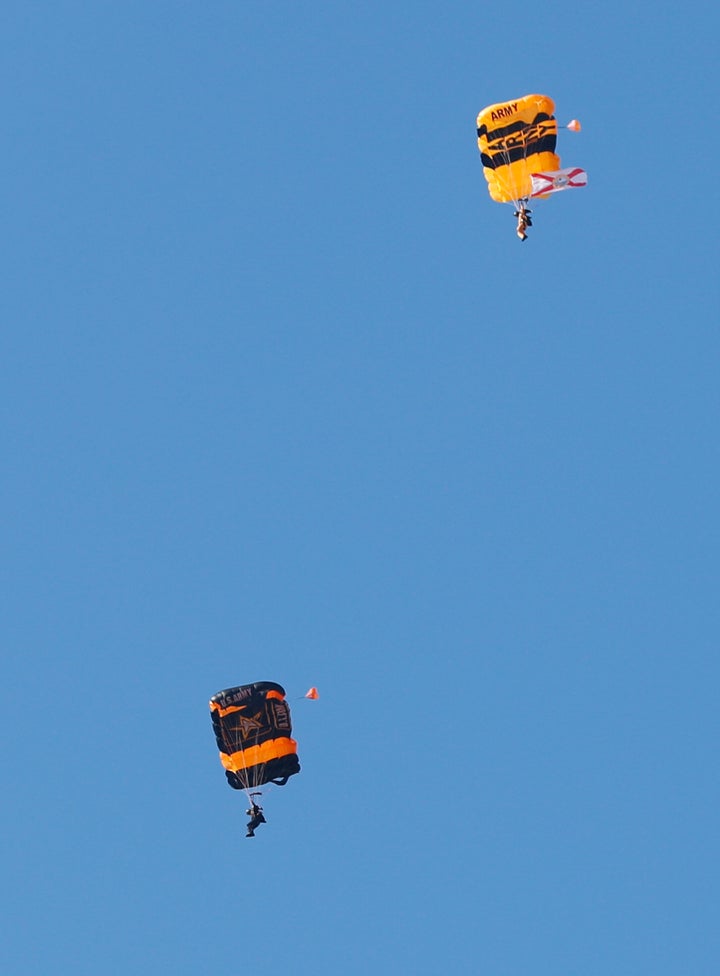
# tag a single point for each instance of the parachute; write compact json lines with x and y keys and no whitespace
{"x":253,"y":731}
{"x":517,"y":143}
{"x":515,"y":140}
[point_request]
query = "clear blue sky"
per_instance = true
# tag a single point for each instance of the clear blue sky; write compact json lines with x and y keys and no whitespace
{"x":283,"y":398}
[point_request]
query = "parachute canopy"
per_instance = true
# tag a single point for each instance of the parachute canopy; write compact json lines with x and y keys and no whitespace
{"x":517,"y":139}
{"x":253,"y":731}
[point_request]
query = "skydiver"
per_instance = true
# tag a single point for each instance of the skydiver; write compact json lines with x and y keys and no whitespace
{"x":524,"y":220}
{"x":256,"y":818}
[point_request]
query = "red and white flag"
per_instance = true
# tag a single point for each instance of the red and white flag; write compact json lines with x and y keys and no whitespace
{"x":560,"y":179}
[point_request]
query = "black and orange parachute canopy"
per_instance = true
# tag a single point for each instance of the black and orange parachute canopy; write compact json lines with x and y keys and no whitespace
{"x":517,"y":139}
{"x":253,"y":731}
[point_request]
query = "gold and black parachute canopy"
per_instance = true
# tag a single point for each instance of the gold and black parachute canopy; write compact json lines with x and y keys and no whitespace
{"x":517,"y":139}
{"x":253,"y":731}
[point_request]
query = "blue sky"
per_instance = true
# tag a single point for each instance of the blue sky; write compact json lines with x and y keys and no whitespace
{"x":283,"y":398}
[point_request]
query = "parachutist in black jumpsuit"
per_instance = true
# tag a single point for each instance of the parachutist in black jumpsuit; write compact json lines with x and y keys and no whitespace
{"x":256,"y":818}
